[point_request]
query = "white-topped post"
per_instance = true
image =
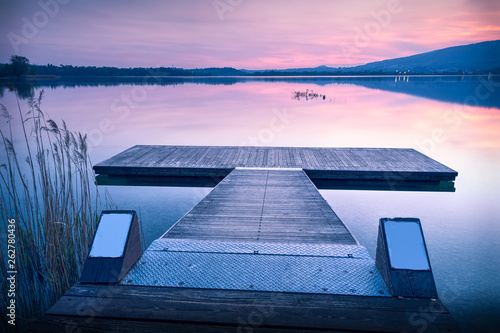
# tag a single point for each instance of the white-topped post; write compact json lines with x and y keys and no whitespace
{"x":115,"y":247}
{"x":402,"y":258}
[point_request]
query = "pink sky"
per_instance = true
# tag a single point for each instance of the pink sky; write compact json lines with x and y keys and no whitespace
{"x":252,"y":34}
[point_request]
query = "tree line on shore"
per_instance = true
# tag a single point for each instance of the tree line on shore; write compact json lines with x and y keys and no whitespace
{"x":20,"y":67}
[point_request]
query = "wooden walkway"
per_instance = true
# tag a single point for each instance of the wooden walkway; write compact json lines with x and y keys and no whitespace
{"x":261,"y":229}
{"x":262,"y":252}
{"x":263,"y":205}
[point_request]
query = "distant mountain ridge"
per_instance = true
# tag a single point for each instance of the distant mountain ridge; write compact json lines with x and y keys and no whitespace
{"x":472,"y":58}
{"x":478,"y":58}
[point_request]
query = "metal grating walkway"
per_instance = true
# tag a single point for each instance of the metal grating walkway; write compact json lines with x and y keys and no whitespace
{"x":299,"y":268}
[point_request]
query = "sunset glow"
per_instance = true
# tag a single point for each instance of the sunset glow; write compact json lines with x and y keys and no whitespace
{"x":239,"y":33}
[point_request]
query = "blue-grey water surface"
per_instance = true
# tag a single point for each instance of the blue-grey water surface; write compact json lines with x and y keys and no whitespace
{"x":455,"y":120}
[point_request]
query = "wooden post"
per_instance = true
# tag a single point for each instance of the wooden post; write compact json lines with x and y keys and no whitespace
{"x":402,"y":258}
{"x":115,"y":248}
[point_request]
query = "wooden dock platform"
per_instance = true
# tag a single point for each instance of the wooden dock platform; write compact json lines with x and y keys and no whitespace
{"x":262,"y":252}
{"x":364,"y":168}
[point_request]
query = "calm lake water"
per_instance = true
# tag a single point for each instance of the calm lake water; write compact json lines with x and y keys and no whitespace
{"x":455,"y":120}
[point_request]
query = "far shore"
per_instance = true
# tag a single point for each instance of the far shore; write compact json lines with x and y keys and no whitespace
{"x":56,"y":77}
{"x":29,"y":77}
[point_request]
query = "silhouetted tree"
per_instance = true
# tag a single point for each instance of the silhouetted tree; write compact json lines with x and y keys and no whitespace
{"x":19,"y":65}
{"x":4,"y":70}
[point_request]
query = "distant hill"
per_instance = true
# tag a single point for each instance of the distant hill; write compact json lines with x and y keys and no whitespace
{"x":479,"y":58}
{"x":320,"y":69}
{"x":216,"y":71}
{"x":473,"y":58}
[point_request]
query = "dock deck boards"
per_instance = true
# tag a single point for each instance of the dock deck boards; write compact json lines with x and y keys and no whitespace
{"x":318,"y":163}
{"x":263,"y":205}
{"x":101,"y":308}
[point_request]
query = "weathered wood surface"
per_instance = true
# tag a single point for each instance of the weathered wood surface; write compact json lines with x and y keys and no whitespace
{"x":98,"y":308}
{"x":318,"y":163}
{"x":263,"y":205}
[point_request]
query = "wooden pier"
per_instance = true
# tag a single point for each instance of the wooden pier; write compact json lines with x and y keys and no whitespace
{"x":262,"y":252}
{"x":328,"y":168}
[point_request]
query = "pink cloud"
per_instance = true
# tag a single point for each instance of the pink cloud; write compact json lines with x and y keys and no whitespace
{"x":253,"y":34}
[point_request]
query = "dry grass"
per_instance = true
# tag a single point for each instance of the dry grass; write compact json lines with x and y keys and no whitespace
{"x":50,"y":193}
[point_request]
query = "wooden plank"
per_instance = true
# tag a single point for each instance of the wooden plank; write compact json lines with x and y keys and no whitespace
{"x":263,"y":205}
{"x":234,"y":308}
{"x":65,"y":324}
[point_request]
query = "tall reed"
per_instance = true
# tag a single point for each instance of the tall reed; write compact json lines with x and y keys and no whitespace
{"x":47,"y":186}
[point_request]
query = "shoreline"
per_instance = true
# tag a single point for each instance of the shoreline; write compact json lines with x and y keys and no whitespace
{"x":29,"y":78}
{"x":55,"y":77}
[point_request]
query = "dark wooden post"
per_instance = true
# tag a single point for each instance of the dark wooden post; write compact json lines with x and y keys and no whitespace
{"x":115,"y":248}
{"x":402,"y":258}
